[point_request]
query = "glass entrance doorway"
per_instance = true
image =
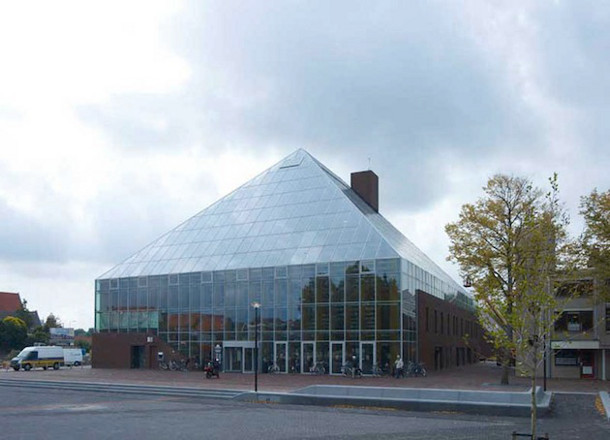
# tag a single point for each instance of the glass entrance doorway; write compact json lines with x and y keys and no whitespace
{"x":234,"y":359}
{"x":337,"y":357}
{"x":280,"y":358}
{"x":238,"y":357}
{"x":248,"y":360}
{"x":367,"y":360}
{"x":307,"y":356}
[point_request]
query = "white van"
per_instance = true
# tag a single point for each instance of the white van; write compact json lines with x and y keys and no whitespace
{"x":73,"y":357}
{"x":43,"y":356}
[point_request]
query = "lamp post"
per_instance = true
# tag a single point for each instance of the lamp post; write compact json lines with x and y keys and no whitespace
{"x":256,"y":306}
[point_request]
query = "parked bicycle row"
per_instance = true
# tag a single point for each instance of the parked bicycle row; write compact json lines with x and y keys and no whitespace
{"x":351,"y":368}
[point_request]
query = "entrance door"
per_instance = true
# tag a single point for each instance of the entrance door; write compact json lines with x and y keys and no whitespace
{"x":587,"y":361}
{"x":338,"y":357}
{"x":281,"y":359}
{"x":367,"y":360}
{"x":234,"y":359}
{"x":307,"y":356}
{"x":248,"y":360}
{"x":137,"y":356}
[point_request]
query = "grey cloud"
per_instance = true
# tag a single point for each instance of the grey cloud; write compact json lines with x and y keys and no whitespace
{"x":402,"y":83}
{"x":23,"y":238}
{"x":574,"y":45}
{"x":119,"y":221}
{"x":406,"y":84}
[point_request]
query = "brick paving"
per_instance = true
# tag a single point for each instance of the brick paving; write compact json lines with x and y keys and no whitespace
{"x":482,"y":376}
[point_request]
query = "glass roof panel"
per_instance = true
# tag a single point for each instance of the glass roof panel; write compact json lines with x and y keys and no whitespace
{"x":297,"y":210}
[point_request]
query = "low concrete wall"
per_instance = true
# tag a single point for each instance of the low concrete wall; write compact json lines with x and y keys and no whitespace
{"x":466,"y":401}
{"x":605,"y":398}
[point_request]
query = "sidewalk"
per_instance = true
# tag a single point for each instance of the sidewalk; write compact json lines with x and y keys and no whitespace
{"x":482,"y":377}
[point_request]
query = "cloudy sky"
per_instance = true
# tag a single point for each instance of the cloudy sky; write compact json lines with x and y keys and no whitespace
{"x":119,"y":120}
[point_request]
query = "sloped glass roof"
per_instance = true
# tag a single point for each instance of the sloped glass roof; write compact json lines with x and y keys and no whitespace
{"x":296,"y":212}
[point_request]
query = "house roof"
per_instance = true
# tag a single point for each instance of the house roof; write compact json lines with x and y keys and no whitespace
{"x":9,"y":302}
{"x":295,"y":212}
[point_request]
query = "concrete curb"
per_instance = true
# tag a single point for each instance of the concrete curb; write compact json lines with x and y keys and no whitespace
{"x":605,"y":398}
{"x":472,"y":402}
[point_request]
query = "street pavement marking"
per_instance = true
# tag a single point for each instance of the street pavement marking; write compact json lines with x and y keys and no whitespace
{"x":90,"y":407}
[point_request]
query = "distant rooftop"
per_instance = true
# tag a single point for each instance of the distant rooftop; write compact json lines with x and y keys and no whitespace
{"x":9,"y":302}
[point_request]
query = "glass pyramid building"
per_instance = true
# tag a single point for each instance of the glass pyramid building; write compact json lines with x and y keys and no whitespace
{"x":334,"y":278}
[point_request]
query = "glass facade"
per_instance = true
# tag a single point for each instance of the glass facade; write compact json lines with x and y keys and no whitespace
{"x":334,"y":279}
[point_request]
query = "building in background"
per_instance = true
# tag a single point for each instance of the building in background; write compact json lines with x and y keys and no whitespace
{"x":10,"y":303}
{"x":335,"y":280}
{"x":580,"y":342}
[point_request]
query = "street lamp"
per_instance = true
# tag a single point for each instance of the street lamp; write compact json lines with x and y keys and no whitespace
{"x":256,"y":306}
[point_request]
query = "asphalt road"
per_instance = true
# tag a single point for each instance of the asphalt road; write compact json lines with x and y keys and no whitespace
{"x":29,"y":413}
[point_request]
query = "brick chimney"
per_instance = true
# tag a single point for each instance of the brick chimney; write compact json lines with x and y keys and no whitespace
{"x":366,"y":185}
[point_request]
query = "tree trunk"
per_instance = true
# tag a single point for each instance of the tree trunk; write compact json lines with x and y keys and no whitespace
{"x":505,"y":366}
{"x":507,"y":354}
{"x":534,"y":408}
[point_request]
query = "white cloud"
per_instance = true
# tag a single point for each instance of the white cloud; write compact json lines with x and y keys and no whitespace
{"x":119,"y":120}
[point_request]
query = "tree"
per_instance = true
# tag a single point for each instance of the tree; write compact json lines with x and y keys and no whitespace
{"x":24,"y":314}
{"x":511,"y":244}
{"x":485,"y":242}
{"x":595,"y":241}
{"x":81,"y":343}
{"x":52,"y":321}
{"x":38,"y":336}
{"x":13,"y":333}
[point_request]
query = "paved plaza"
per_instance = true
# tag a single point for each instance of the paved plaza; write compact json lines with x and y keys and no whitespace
{"x":483,"y":376}
{"x":32,"y":414}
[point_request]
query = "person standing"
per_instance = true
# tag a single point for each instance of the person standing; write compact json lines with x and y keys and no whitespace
{"x":398,"y":367}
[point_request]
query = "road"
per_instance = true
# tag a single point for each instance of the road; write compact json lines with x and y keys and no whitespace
{"x":29,"y":413}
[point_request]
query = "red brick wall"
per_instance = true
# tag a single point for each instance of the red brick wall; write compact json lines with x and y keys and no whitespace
{"x":366,"y":185}
{"x":445,"y":345}
{"x":113,"y":350}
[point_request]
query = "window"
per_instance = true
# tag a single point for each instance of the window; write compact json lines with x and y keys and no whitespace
{"x":577,"y":288}
{"x":442,"y":323}
{"x":242,"y":274}
{"x":206,"y":277}
{"x":280,"y":272}
{"x":435,"y":321}
{"x":566,"y":358}
{"x":367,"y":266}
{"x":575,"y":321}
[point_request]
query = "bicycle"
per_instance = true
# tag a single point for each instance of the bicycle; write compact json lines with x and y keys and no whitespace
{"x":273,"y":369}
{"x":416,"y":369}
{"x":348,"y":370}
{"x":163,"y":365}
{"x":317,"y":369}
{"x":380,"y":372}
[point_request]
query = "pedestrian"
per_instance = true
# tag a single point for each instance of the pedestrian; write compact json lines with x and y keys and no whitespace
{"x":398,"y":367}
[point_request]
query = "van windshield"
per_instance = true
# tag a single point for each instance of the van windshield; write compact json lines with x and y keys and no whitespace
{"x":24,"y":353}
